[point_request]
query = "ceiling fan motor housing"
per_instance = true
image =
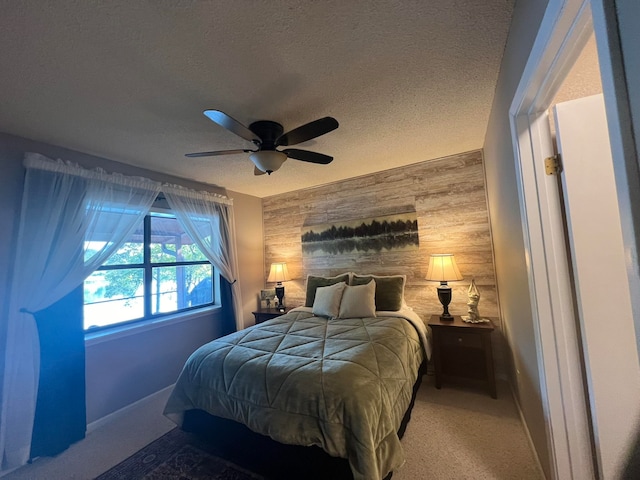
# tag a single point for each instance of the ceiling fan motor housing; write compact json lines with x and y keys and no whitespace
{"x":268,"y":132}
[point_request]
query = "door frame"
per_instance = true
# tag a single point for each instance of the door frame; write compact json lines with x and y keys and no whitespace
{"x":563,"y":33}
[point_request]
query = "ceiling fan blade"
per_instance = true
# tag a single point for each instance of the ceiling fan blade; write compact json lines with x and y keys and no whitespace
{"x":257,"y":171}
{"x":215,"y":154}
{"x":308,"y":131}
{"x":307,"y":156}
{"x":232,"y":125}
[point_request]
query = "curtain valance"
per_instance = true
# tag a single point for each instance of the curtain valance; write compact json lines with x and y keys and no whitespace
{"x":40,"y":162}
{"x":196,"y":195}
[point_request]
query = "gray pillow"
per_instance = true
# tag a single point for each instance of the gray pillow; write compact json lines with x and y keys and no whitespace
{"x":327,"y":301}
{"x":313,"y":282}
{"x":389,"y":290}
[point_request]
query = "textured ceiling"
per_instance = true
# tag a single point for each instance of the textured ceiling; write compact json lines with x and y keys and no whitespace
{"x":128,"y":80}
{"x":583,"y":79}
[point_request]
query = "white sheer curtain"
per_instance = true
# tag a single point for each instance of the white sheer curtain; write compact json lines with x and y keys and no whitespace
{"x":208,"y":219}
{"x":62,"y":206}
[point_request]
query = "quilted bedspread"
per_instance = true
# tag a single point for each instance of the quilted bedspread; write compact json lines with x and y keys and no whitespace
{"x":342,"y":384}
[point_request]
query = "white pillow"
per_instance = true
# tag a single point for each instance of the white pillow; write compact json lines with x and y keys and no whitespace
{"x":327,"y":301}
{"x":359,"y":301}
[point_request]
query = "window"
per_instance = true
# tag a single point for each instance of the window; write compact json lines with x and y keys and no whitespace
{"x":157,"y":271}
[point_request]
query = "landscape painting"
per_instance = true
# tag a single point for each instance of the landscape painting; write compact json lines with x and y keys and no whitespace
{"x":379,"y":234}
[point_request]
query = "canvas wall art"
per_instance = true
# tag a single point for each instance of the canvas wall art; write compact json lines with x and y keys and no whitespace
{"x":378,"y":234}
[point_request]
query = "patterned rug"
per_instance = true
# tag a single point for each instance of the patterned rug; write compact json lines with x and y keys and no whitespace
{"x":177,"y":455}
{"x":226,"y":450}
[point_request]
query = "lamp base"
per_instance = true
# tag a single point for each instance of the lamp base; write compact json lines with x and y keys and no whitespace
{"x":444,"y":295}
{"x":280,"y":295}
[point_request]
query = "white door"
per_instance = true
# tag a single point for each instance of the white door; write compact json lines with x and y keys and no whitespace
{"x":601,"y":284}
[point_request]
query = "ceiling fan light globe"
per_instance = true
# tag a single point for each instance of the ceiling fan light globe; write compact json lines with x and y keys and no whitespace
{"x":268,"y":160}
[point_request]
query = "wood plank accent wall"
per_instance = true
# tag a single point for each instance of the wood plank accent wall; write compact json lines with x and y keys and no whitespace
{"x":448,"y":196}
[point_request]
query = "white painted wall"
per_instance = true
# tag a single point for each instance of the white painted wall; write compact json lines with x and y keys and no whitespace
{"x":250,"y":240}
{"x":121,"y":370}
{"x":627,"y":165}
{"x":506,"y":227}
{"x":11,"y":181}
{"x":616,"y":24}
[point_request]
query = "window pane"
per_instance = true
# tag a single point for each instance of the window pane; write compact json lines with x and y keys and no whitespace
{"x":130,"y":253}
{"x":113,"y":296}
{"x":200,"y":285}
{"x":169,"y":241}
{"x":175,"y":288}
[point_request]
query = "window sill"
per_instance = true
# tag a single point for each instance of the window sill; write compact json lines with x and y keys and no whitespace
{"x":94,"y":338}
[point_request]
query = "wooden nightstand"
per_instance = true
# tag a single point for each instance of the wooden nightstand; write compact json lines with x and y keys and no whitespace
{"x":264,"y":314}
{"x":462,"y":350}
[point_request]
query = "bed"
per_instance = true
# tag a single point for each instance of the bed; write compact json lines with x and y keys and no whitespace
{"x":338,"y":374}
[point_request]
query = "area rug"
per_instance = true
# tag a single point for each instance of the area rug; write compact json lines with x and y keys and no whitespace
{"x":177,"y":455}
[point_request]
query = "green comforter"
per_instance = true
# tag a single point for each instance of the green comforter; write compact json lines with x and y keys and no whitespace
{"x":343,"y":384}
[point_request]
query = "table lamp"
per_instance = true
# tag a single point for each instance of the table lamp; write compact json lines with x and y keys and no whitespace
{"x":443,"y":269}
{"x":279,"y":273}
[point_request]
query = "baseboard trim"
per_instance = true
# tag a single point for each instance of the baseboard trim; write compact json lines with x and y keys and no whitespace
{"x":113,"y":415}
{"x":526,"y":430}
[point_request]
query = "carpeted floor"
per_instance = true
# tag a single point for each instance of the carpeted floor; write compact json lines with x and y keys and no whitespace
{"x":454,"y":433}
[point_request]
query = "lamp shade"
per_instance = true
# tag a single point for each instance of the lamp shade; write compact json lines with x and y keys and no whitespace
{"x":443,"y":268}
{"x":279,"y":273}
{"x":268,"y":160}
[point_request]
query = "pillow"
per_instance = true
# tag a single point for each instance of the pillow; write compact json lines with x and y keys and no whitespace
{"x":327,"y":300}
{"x":358,"y":301}
{"x":314,"y":282}
{"x":389,"y":290}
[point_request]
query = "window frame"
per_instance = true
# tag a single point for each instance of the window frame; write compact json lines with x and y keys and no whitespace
{"x":147,"y":267}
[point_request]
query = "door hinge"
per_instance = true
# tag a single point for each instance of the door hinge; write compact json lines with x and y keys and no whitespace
{"x":552,"y":165}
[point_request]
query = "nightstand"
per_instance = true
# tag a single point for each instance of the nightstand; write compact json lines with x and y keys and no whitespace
{"x":264,"y":314}
{"x":462,"y":350}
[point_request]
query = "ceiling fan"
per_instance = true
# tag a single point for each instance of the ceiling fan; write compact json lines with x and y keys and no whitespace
{"x":267,"y":136}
